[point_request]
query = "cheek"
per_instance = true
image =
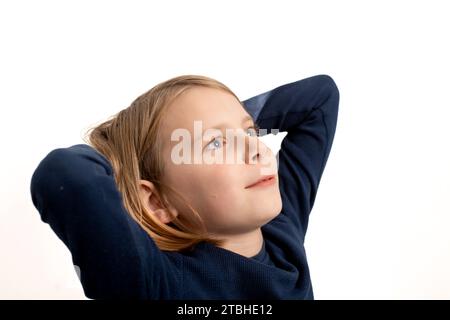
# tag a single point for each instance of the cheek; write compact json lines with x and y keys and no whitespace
{"x":219,"y":188}
{"x":216,"y":191}
{"x":205,"y":186}
{"x":216,"y":183}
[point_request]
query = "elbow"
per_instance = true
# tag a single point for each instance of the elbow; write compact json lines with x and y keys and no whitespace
{"x":329,"y":85}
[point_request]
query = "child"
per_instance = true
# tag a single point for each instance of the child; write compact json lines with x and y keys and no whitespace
{"x":141,"y":224}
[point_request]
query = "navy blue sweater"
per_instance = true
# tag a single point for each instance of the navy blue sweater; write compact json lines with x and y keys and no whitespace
{"x":74,"y":191}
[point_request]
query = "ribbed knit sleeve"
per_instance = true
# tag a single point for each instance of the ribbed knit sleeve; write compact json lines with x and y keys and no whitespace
{"x":75,"y":193}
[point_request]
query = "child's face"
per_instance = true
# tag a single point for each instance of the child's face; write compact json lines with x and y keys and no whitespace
{"x":218,"y":190}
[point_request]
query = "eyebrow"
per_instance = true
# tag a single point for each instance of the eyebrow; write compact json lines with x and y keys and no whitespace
{"x":222,"y":125}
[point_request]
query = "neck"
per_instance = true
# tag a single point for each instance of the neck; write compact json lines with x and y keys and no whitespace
{"x":246,"y":244}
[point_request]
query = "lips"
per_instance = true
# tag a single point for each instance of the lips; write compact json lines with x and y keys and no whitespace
{"x":260,"y":180}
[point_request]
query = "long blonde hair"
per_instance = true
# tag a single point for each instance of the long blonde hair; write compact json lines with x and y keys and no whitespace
{"x":131,"y":141}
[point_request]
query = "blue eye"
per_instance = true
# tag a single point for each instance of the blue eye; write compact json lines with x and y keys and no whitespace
{"x":254,"y":132}
{"x":255,"y":129}
{"x":213,"y":143}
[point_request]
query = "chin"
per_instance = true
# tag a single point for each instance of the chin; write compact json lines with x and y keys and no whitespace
{"x":270,"y":215}
{"x":276,"y":206}
{"x":275,"y":214}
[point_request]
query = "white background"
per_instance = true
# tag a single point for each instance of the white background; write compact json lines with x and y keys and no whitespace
{"x":380,"y":225}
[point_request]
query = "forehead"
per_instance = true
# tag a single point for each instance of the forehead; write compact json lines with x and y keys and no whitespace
{"x":209,"y":105}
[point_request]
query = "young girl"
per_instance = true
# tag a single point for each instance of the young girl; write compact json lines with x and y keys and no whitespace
{"x":141,"y":224}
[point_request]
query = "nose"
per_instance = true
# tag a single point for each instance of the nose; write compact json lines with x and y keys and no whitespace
{"x":255,"y":150}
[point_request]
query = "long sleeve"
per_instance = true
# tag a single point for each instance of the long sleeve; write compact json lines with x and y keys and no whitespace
{"x":75,"y":193}
{"x":308,"y":110}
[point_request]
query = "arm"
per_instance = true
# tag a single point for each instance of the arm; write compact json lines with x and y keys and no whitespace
{"x":307,"y":109}
{"x":75,"y":193}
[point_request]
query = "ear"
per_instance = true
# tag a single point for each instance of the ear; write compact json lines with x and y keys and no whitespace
{"x":151,"y":199}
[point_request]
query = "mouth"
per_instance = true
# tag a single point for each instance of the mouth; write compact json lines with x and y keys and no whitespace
{"x":262,"y":182}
